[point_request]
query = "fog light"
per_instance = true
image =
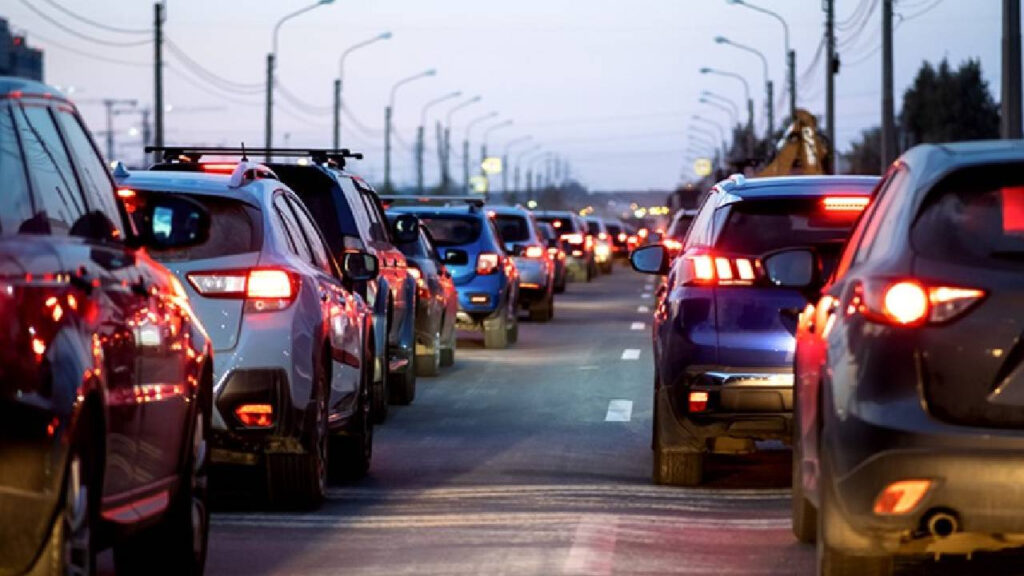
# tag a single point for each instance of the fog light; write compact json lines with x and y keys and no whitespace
{"x":901,"y":497}
{"x":698,"y":401}
{"x":479,"y":299}
{"x":529,"y":285}
{"x":255,"y":415}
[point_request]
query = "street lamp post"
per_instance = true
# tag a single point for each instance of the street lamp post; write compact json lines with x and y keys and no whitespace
{"x":465,"y":146}
{"x":716,"y":125}
{"x":769,"y":108}
{"x":341,"y":78}
{"x":519,"y":163}
{"x":790,"y":53}
{"x":421,"y":133}
{"x":388,"y":113}
{"x":446,"y":176}
{"x":719,"y":106}
{"x":714,"y":97}
{"x":483,"y":146}
{"x":271,"y":60}
{"x":746,"y":92}
{"x":504,"y":160}
{"x":530,"y":183}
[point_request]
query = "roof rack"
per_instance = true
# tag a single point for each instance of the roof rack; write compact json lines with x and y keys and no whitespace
{"x":334,"y":157}
{"x":474,"y":202}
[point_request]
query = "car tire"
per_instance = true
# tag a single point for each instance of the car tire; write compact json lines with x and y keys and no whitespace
{"x":178,"y":543}
{"x":404,"y":392}
{"x":71,"y":547}
{"x":805,"y":515}
{"x":300,"y":480}
{"x":496,"y":332}
{"x":674,"y":466}
{"x":448,"y":351}
{"x":429,"y":365}
{"x":560,"y":286}
{"x":351,"y":455}
{"x":543,"y":311}
{"x":513,"y":328}
{"x":381,"y":387}
{"x":832,"y":529}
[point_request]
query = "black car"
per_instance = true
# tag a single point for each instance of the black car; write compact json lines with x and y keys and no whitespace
{"x":557,"y":250}
{"x":437,"y":300}
{"x":105,"y":375}
{"x":910,"y":369}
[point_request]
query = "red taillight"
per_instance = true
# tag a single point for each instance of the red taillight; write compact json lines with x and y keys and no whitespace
{"x":255,"y":415}
{"x":588,"y":242}
{"x":908,"y":302}
{"x":574,"y":239}
{"x":845,"y":203}
{"x":553,"y":252}
{"x":622,"y":237}
{"x":219,"y":168}
{"x":673,"y":246}
{"x":708,"y":269}
{"x":901,"y":497}
{"x":487,"y":263}
{"x":698,"y":401}
{"x":125,"y":193}
{"x":602,"y":236}
{"x":534,"y":252}
{"x":269,"y":285}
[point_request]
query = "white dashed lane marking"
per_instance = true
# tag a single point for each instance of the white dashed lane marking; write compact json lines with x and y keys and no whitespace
{"x":637,"y":326}
{"x":643,"y":309}
{"x":631,"y":354}
{"x":619,"y":411}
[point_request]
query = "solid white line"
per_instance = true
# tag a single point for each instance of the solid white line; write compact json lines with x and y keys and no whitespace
{"x":619,"y":411}
{"x":643,"y":309}
{"x":646,"y":296}
{"x":637,"y":326}
{"x":631,"y":354}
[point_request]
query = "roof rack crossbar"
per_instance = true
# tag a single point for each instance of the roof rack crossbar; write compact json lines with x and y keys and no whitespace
{"x":473,"y":201}
{"x":195,"y":153}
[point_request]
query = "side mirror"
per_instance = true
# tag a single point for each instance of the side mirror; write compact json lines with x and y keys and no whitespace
{"x":406,"y":229}
{"x":795,"y":268}
{"x":360,"y":266}
{"x":167,"y":222}
{"x":652,"y":259}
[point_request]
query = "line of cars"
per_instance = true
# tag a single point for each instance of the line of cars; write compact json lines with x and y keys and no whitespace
{"x":162,"y":326}
{"x":876,"y":325}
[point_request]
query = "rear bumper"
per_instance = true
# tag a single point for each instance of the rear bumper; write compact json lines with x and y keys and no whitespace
{"x":234,"y":443}
{"x":978,"y":478}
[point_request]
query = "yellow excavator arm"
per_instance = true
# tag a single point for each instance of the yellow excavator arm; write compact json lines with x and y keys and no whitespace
{"x":801,"y":151}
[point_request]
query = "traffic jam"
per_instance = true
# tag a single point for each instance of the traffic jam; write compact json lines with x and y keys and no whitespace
{"x":234,"y":359}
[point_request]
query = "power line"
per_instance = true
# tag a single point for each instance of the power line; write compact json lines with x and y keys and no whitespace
{"x":100,"y":25}
{"x":80,"y":52}
{"x":210,"y":76}
{"x":81,"y":35}
{"x":921,"y":12}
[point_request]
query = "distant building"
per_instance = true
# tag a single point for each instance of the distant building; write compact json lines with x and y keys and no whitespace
{"x":16,"y":58}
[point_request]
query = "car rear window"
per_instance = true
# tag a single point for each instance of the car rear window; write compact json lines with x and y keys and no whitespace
{"x":235,"y":228}
{"x":759,"y":226}
{"x":561,"y":224}
{"x":974,"y":217}
{"x":593,"y":228}
{"x":512,"y":228}
{"x":452,"y":230}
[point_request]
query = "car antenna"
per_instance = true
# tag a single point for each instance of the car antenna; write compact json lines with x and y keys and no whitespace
{"x":245,"y":157}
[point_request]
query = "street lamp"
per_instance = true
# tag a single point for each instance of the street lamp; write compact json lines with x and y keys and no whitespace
{"x":768,"y":104}
{"x":717,"y":126}
{"x":388,"y":113}
{"x":504,"y":160}
{"x":421,"y":133}
{"x":746,"y":88}
{"x":718,"y":105}
{"x":790,"y":53}
{"x":519,"y":162}
{"x":465,"y":145}
{"x":445,"y":165}
{"x":341,"y":78}
{"x":271,"y":57}
{"x":483,"y":146}
{"x":734,"y":110}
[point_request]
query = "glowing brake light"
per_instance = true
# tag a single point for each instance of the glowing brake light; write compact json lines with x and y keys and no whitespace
{"x":125,"y":193}
{"x":263,"y":288}
{"x":269,"y":284}
{"x":534,"y":252}
{"x":589,"y":242}
{"x":602,"y":236}
{"x":255,"y":415}
{"x":905,"y":303}
{"x":698,"y":401}
{"x":487,"y":263}
{"x":622,"y":237}
{"x":415,"y":274}
{"x":673,"y":246}
{"x":709,"y":269}
{"x":573,"y":238}
{"x":219,"y":168}
{"x":845,"y":203}
{"x":901,"y":497}
{"x":908,"y":302}
{"x":702,"y":268}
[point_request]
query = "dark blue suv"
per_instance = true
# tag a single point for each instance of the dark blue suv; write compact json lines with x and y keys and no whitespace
{"x":723,"y":332}
{"x":485,"y":275}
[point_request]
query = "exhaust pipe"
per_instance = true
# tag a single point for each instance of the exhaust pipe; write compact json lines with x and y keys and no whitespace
{"x":942,"y":524}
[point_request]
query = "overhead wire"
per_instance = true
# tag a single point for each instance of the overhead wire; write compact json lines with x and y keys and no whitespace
{"x":209,"y":75}
{"x":96,"y":24}
{"x":82,"y":35}
{"x":79,"y":52}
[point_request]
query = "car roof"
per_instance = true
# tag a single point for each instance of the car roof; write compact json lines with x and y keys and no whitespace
{"x":795,"y":186}
{"x":28,"y":87}
{"x":517,"y":210}
{"x":199,"y":183}
{"x":437,"y":210}
{"x":955,"y":155}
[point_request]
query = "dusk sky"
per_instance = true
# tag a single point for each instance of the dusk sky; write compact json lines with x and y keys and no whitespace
{"x":609,"y":84}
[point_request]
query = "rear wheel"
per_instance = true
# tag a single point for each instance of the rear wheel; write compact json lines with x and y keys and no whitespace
{"x":300,"y":480}
{"x":496,"y":332}
{"x":403,"y":391}
{"x":673,"y":466}
{"x":448,"y":352}
{"x":543,"y":311}
{"x":71,"y":548}
{"x":379,"y":398}
{"x":832,"y":529}
{"x":178,"y":544}
{"x":805,"y":515}
{"x":351,"y":454}
{"x":429,"y":364}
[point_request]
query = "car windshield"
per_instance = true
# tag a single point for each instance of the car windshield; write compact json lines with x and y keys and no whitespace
{"x":452,"y":230}
{"x":512,"y":228}
{"x":975,"y":217}
{"x":759,"y":226}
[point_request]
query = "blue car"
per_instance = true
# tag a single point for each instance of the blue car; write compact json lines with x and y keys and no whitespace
{"x":723,"y":332}
{"x":471,"y":248}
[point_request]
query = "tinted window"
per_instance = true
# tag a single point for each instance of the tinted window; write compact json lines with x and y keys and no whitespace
{"x":291,"y":227}
{"x":701,"y":230}
{"x":92,"y":173}
{"x":593,"y":227}
{"x":312,"y":235}
{"x":975,"y":217}
{"x":14,"y":195}
{"x":755,"y":227}
{"x":333,"y":217}
{"x":883,"y":218}
{"x":562,"y":224}
{"x":512,"y":228}
{"x":58,"y":203}
{"x":235,"y":228}
{"x":452,"y":230}
{"x":411,"y":249}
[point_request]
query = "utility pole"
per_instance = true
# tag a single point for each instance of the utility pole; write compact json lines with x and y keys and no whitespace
{"x":111,"y":107}
{"x":158,"y":75}
{"x":831,"y":68}
{"x":387,"y":150}
{"x":791,"y":61}
{"x":269,"y":126}
{"x":337,"y":113}
{"x":465,"y":165}
{"x":1011,"y":116}
{"x":770,"y":112}
{"x":421,"y":147}
{"x":888,"y":112}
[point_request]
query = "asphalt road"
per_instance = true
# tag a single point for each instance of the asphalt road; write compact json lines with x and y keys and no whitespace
{"x":534,"y":461}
